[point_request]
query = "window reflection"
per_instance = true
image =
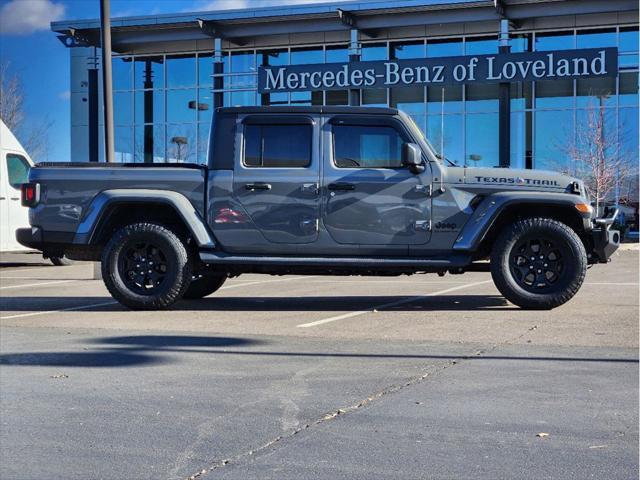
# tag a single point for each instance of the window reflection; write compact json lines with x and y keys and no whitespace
{"x":445,"y":135}
{"x":628,"y":134}
{"x":149,"y":144}
{"x":444,"y":99}
{"x":444,"y":47}
{"x":481,"y":140}
{"x":181,"y":105}
{"x":121,"y":71}
{"x":205,"y":69}
{"x":181,"y":71}
{"x":555,"y":41}
{"x":149,"y":72}
{"x":123,"y":108}
{"x":181,"y":143}
{"x":553,"y":138}
{"x":375,"y":97}
{"x":629,"y":39}
{"x":482,"y":97}
{"x":336,"y":54}
{"x":481,"y":45}
{"x":521,"y":140}
{"x":408,"y":99}
{"x":305,"y":56}
{"x":596,"y":91}
{"x":337,"y":97}
{"x":405,"y":50}
{"x":123,"y":143}
{"x":374,"y":51}
{"x":554,"y":94}
{"x":521,"y":95}
{"x":149,"y":107}
{"x":203,"y":142}
{"x":597,"y":38}
{"x":628,"y":88}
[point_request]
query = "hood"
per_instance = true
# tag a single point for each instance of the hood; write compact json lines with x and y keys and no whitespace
{"x":511,"y":177}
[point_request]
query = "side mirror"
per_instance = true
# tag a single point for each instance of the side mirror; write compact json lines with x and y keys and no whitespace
{"x":412,"y":158}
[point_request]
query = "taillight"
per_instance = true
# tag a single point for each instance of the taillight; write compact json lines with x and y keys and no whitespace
{"x":30,"y":194}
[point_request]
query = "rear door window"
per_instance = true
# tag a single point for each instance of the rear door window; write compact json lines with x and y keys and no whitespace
{"x":367,"y":146}
{"x":277,"y":146}
{"x":17,"y":170}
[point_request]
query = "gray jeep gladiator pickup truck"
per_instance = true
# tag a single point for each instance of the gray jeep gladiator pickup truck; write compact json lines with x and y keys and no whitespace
{"x":323,"y":190}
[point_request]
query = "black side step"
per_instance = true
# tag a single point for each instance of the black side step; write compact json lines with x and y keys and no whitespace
{"x":452,"y":261}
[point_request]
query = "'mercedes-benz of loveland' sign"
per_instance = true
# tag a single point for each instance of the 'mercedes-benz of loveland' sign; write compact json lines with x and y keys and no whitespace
{"x":507,"y":67}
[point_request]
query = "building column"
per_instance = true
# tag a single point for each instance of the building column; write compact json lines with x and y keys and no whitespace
{"x":94,"y":119}
{"x":504,"y":120}
{"x":218,"y":70}
{"x":354,"y":56}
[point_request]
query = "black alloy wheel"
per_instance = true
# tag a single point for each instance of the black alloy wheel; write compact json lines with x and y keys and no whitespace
{"x":537,"y":263}
{"x":143,"y":267}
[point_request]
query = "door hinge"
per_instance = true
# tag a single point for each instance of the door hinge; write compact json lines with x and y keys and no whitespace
{"x":423,"y":225}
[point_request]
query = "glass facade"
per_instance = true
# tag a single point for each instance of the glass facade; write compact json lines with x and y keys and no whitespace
{"x":163,"y":103}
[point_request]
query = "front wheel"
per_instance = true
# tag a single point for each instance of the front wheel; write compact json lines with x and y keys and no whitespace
{"x":538,"y":263}
{"x":146,"y":267}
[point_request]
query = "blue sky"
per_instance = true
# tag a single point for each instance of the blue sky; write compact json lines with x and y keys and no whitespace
{"x":42,"y":62}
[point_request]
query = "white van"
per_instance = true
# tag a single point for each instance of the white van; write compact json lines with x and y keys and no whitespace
{"x":14,"y":171}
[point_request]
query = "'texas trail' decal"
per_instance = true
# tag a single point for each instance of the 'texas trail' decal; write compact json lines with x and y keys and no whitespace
{"x":517,"y":181}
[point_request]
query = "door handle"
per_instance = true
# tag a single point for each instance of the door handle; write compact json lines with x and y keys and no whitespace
{"x":257,"y":186}
{"x":309,"y":188}
{"x":15,"y":198}
{"x":341,"y":186}
{"x":3,"y":198}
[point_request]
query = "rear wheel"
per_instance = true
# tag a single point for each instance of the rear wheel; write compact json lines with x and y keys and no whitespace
{"x":538,"y":263}
{"x":204,"y":285}
{"x":61,"y":261}
{"x":146,"y":267}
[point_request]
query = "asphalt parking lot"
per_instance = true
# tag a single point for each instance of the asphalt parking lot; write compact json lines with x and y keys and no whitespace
{"x":317,"y":377}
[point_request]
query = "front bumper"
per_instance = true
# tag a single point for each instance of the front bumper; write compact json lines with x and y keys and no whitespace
{"x":605,"y":240}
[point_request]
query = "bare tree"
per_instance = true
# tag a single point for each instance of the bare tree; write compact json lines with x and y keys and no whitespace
{"x":599,"y":158}
{"x":34,"y":136}
{"x":11,"y":98}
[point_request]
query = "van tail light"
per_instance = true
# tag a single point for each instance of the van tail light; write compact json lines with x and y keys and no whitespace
{"x":30,"y":194}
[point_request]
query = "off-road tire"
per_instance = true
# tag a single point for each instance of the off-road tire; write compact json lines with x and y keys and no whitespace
{"x":202,"y":286}
{"x":61,"y":261}
{"x":503,"y":263}
{"x":178,"y":266}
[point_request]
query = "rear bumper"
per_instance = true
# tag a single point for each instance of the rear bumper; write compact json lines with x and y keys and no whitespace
{"x":605,"y":240}
{"x":30,"y":237}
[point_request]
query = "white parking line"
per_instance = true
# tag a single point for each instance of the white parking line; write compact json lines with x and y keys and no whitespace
{"x":82,"y":307}
{"x":258,"y":282}
{"x":38,"y":284}
{"x":33,"y":269}
{"x":70,"y":309}
{"x":388,"y":305}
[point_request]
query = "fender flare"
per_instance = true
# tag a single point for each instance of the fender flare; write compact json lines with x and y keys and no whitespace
{"x":107,"y":198}
{"x":486,"y":213}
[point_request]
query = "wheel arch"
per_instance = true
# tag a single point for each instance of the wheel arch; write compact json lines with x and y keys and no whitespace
{"x":113,"y":209}
{"x":497,"y":211}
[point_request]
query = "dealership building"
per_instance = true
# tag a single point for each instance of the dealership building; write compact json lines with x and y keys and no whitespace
{"x":549,"y":77}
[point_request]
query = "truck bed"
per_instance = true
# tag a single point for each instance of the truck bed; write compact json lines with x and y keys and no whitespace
{"x":68,"y":189}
